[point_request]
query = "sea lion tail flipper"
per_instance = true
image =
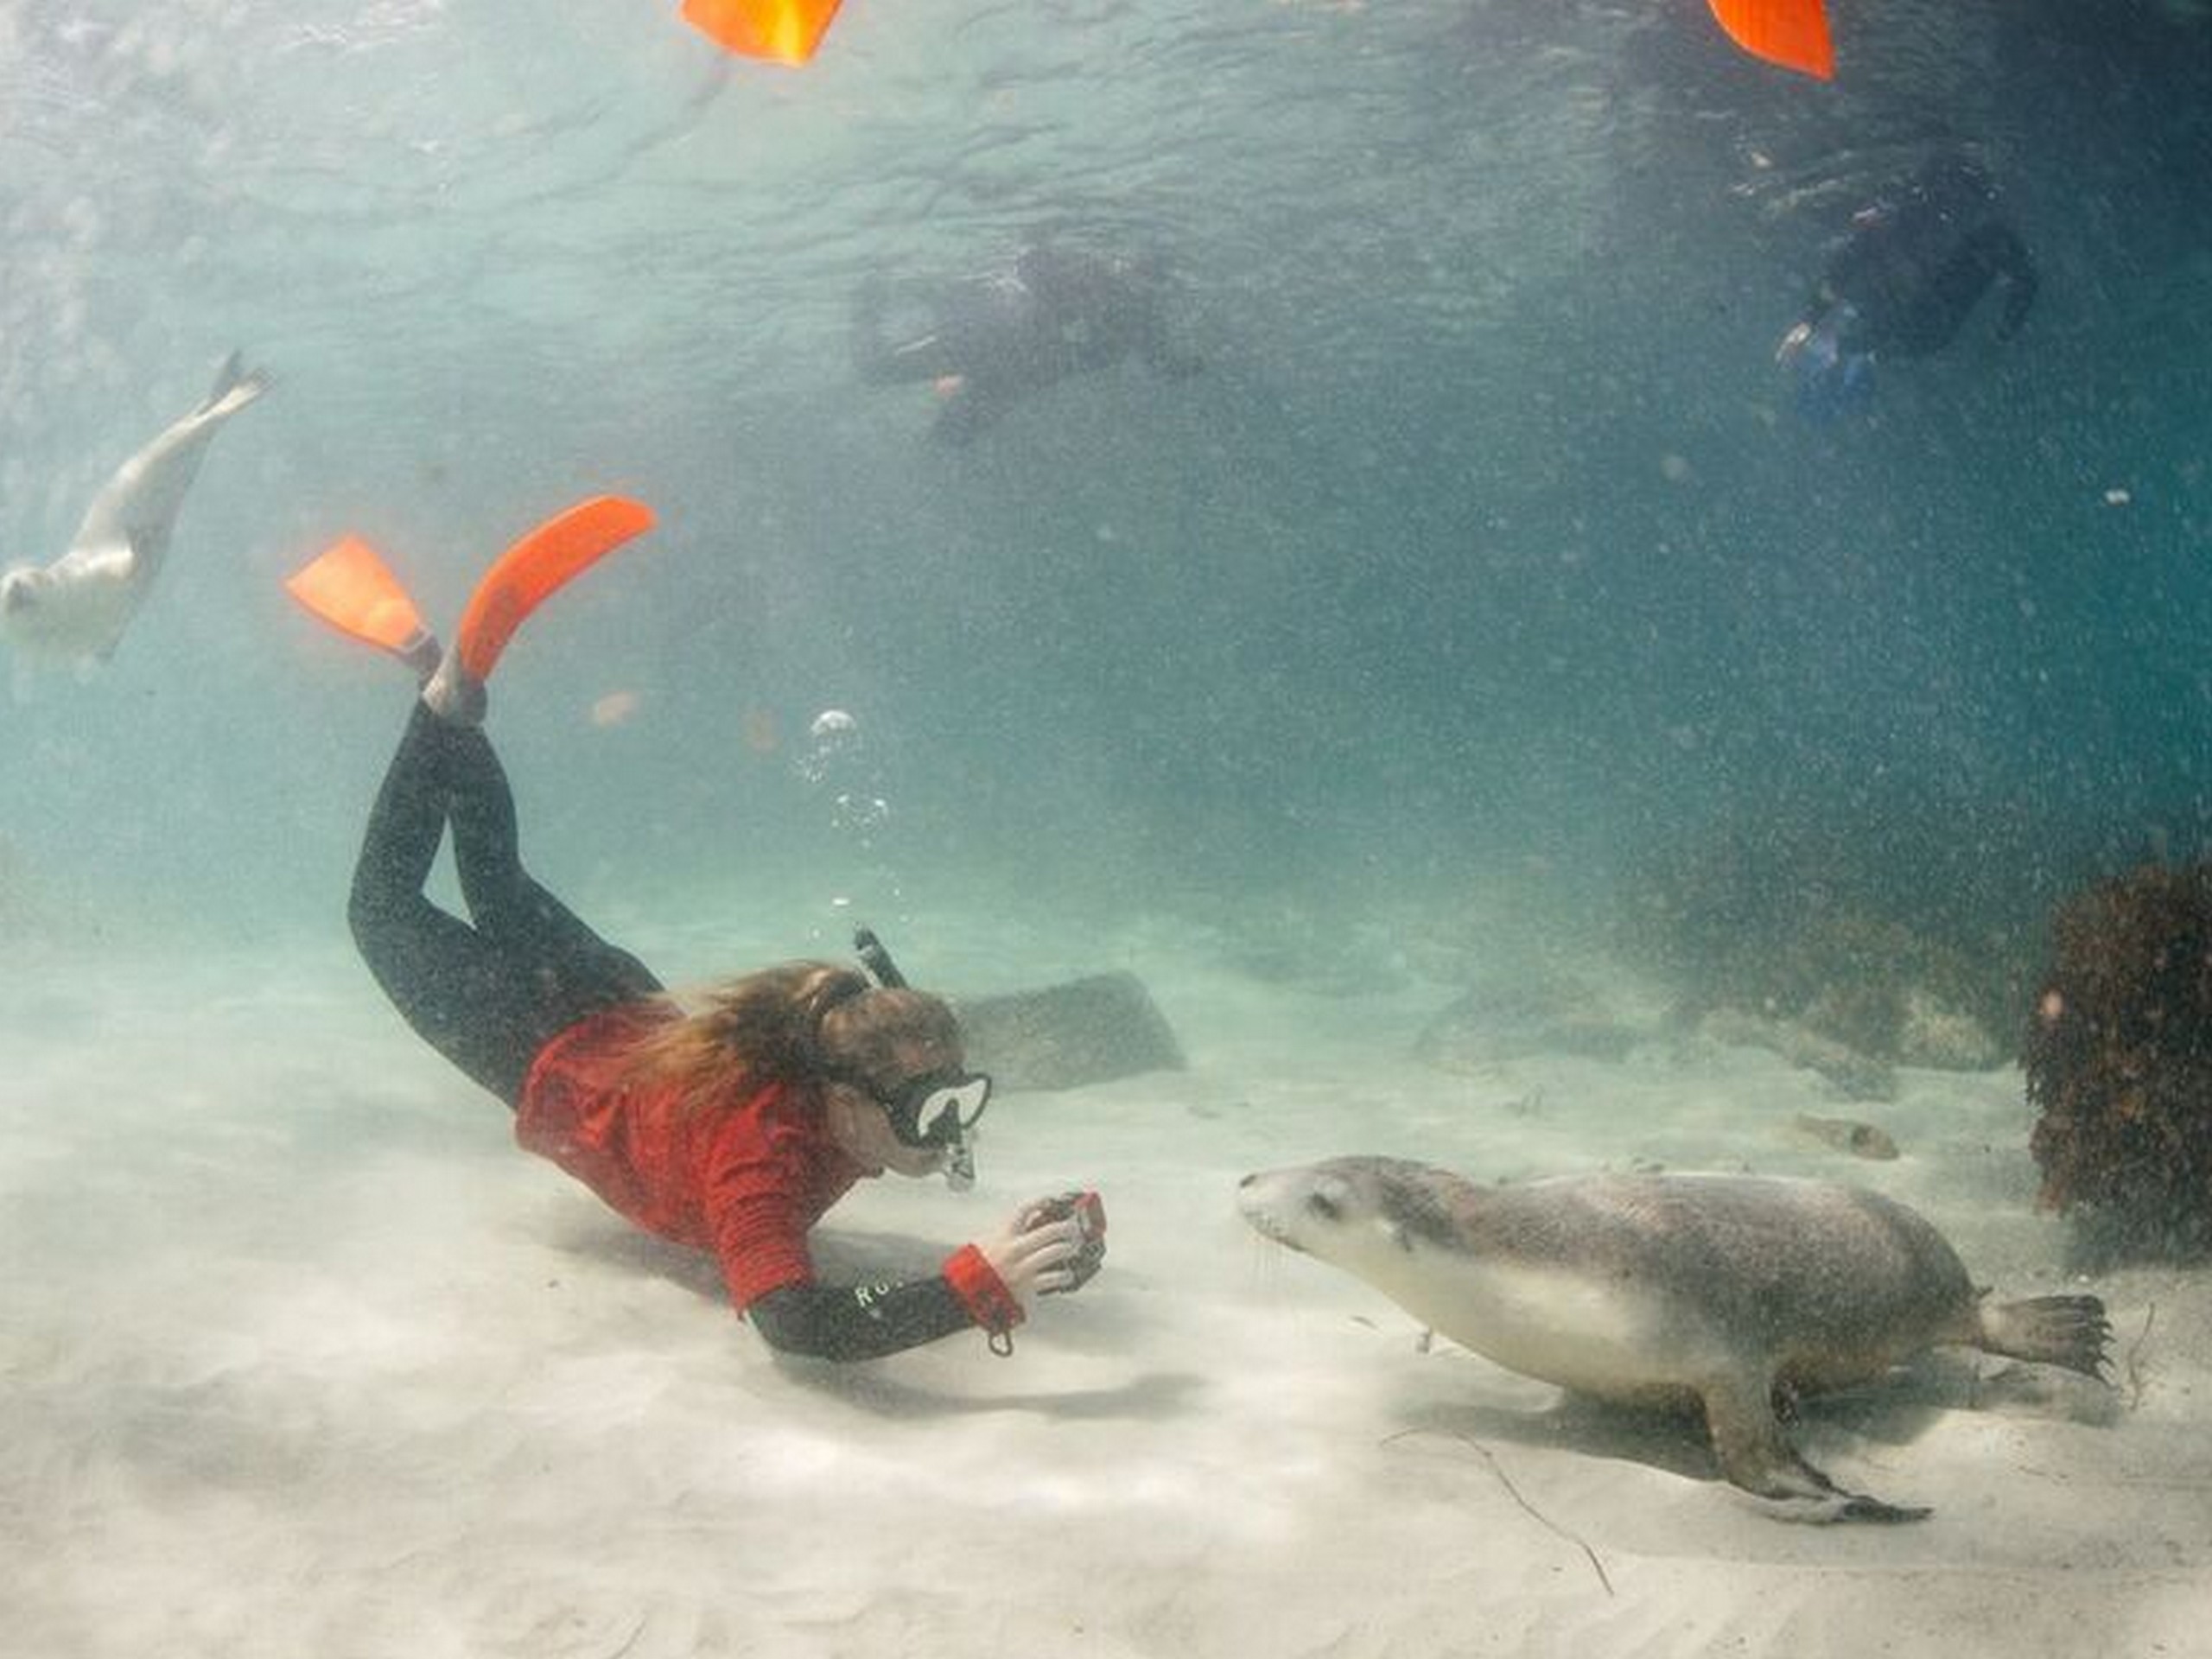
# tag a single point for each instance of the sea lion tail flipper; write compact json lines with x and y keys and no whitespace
{"x":537,"y":566}
{"x":236,"y":386}
{"x":232,"y":371}
{"x":2069,"y":1331}
{"x":351,"y":588}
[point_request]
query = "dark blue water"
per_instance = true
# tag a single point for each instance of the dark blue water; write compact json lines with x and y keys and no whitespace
{"x":1488,"y":541}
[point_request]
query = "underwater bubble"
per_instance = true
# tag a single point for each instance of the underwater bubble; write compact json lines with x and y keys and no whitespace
{"x":858,"y":814}
{"x":616,"y":708}
{"x":838,"y":751}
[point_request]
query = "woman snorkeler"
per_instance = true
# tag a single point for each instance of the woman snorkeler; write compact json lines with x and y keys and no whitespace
{"x":730,"y":1123}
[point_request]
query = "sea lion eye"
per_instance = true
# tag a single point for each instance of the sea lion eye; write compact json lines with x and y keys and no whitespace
{"x":1324,"y":1206}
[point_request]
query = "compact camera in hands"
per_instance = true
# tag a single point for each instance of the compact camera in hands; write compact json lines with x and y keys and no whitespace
{"x":1088,"y":1211}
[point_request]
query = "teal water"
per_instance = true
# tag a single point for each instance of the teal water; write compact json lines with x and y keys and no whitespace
{"x":1488,"y":539}
{"x":1485,"y":569}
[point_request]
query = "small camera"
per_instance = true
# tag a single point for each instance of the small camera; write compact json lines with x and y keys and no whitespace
{"x":1088,"y":1211}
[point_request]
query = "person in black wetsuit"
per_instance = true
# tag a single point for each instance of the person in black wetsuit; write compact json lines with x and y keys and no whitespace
{"x":989,"y":341}
{"x":729,"y":1120}
{"x":1901,"y":282}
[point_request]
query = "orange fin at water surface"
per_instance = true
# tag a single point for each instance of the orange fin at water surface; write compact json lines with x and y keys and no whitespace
{"x":527,"y":574}
{"x":786,"y":31}
{"x":1792,"y":33}
{"x":348,"y":587}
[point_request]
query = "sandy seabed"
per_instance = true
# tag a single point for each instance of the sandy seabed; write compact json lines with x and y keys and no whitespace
{"x":302,"y":1357}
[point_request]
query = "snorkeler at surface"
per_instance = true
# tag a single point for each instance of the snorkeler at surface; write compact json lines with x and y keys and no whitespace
{"x":988,"y":341}
{"x":731,"y":1126}
{"x":1901,"y":282}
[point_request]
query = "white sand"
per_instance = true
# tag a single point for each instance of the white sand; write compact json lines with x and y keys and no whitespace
{"x":302,"y":1357}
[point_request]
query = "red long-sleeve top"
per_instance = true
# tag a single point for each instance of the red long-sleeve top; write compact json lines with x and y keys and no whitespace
{"x":746,"y":1179}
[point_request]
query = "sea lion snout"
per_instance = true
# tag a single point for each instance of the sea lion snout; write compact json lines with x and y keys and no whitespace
{"x":1302,"y":1208}
{"x":1268,"y":1202}
{"x":1255,"y":1203}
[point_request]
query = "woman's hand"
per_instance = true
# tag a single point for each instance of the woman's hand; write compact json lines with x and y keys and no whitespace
{"x":1033,"y":1257}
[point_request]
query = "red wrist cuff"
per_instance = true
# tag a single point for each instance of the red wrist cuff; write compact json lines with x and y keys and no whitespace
{"x":981,"y":1291}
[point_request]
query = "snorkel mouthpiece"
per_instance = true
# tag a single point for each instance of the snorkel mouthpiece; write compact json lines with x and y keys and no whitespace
{"x":960,"y":1162}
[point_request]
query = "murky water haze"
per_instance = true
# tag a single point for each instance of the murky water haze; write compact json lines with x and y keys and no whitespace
{"x":1488,"y":540}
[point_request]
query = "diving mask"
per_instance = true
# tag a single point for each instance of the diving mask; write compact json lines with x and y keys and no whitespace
{"x":937,"y":1108}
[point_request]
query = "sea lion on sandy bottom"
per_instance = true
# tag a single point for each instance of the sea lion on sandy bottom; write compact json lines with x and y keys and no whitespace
{"x":78,"y":607}
{"x":1658,"y":1290}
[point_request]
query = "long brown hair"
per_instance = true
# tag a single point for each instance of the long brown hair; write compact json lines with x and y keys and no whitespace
{"x":804,"y":1022}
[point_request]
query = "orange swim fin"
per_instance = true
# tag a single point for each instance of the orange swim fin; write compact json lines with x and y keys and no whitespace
{"x":1792,"y":33}
{"x":785,"y":30}
{"x":527,"y":574}
{"x":348,"y":587}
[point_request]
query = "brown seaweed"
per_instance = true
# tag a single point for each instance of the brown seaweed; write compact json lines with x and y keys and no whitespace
{"x":2119,"y":1060}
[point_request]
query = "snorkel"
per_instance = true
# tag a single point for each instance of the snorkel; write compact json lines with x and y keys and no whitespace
{"x":940,"y":1109}
{"x":876,"y":961}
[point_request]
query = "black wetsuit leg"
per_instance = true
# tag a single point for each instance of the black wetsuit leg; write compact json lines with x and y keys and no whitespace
{"x":489,"y":993}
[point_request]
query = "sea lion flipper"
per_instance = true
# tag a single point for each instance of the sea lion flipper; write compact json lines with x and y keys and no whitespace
{"x":1756,"y":1455}
{"x":2069,"y":1331}
{"x":235,"y":386}
{"x":1856,"y":1506}
{"x":134,"y":561}
{"x":121,"y":560}
{"x":232,"y":371}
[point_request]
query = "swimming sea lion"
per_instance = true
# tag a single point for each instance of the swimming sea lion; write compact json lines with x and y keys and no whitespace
{"x":78,"y":607}
{"x":1723,"y":1290}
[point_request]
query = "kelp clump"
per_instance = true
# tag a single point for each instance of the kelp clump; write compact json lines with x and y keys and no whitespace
{"x":2119,"y":1061}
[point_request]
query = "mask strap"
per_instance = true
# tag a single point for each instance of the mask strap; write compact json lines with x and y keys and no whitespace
{"x":826,"y":1002}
